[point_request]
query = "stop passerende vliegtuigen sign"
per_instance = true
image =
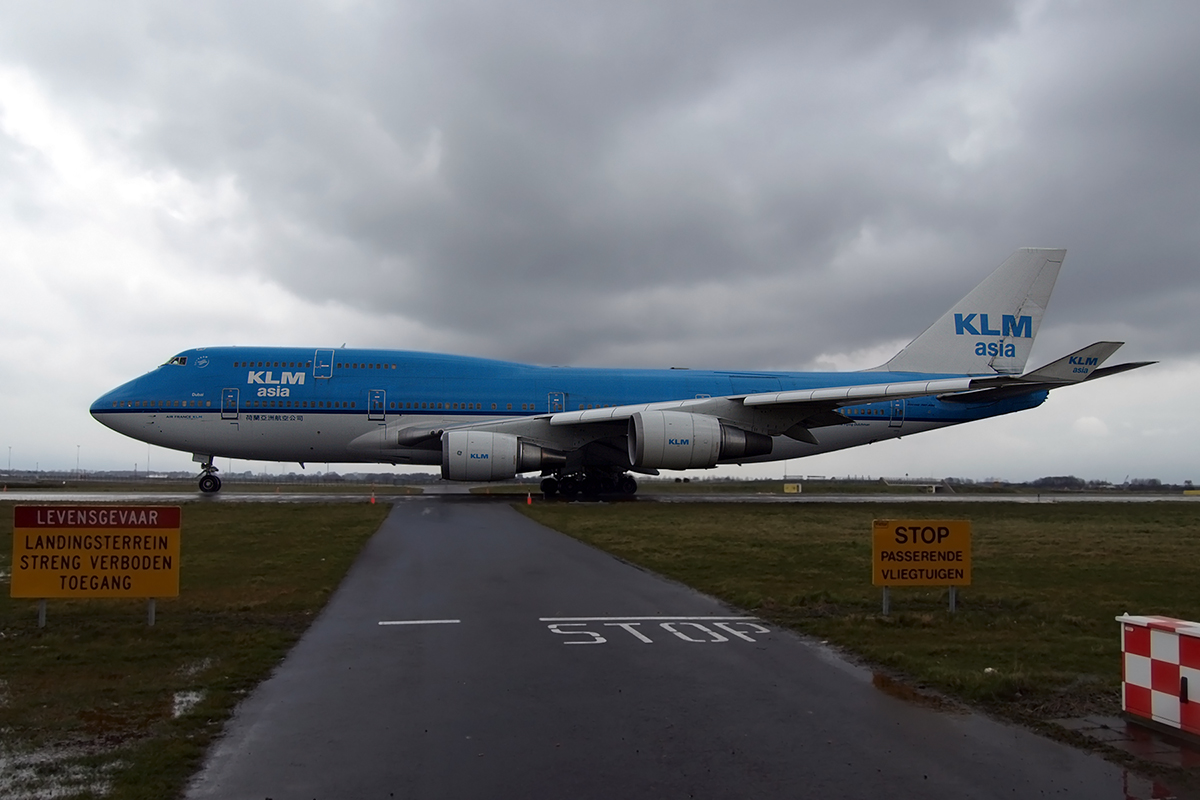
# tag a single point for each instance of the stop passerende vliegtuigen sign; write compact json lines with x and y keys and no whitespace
{"x":912,"y":552}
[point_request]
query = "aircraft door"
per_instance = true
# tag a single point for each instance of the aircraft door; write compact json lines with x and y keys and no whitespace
{"x":897,"y":416}
{"x":376,"y":404}
{"x":323,"y":364}
{"x":557,"y":402}
{"x":229,"y":404}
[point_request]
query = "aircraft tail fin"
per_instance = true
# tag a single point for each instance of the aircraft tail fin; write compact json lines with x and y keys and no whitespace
{"x":991,"y":330}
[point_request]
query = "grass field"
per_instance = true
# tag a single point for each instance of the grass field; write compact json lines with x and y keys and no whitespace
{"x":100,"y":704}
{"x":1034,"y":636}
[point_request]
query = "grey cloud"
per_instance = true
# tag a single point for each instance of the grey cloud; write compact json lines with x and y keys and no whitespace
{"x":528,"y":176}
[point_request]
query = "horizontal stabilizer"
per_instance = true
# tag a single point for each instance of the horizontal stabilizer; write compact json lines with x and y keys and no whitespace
{"x":1076,"y":367}
{"x":1116,"y":369}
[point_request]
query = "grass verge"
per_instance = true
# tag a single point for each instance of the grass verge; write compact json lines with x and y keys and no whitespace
{"x":99,"y":704}
{"x":1034,"y":637}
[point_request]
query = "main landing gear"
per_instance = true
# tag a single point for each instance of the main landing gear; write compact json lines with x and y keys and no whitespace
{"x":209,"y":482}
{"x":589,"y":485}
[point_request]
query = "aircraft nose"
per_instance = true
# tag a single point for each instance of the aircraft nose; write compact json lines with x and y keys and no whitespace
{"x":102,"y":404}
{"x":106,"y":409}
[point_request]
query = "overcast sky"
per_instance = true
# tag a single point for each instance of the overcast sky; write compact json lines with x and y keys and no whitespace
{"x":773,"y":185}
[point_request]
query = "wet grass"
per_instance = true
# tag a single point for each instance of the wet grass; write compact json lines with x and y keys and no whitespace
{"x":1034,"y":636}
{"x":98,"y":701}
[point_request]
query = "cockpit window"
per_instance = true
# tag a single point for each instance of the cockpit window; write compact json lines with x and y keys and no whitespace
{"x":180,"y":360}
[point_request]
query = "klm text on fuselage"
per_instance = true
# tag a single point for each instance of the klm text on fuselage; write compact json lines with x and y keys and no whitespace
{"x":278,"y":387}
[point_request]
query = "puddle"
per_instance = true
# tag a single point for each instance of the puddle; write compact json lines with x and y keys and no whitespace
{"x":183,"y":702}
{"x":50,"y":773}
{"x":1136,"y":740}
{"x":1138,"y":787}
{"x":911,"y":694}
{"x":1143,"y":743}
{"x":196,"y":667}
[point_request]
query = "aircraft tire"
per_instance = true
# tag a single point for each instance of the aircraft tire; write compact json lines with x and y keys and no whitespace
{"x":569,"y":487}
{"x":591,"y":487}
{"x":210,"y":484}
{"x":627,"y":486}
{"x":549,"y":487}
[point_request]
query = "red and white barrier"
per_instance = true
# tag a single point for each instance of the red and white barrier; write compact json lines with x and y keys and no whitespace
{"x":1160,"y":673}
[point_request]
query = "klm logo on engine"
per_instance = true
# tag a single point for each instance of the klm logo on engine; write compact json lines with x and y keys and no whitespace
{"x":679,"y":442}
{"x":480,"y":456}
{"x":296,"y":378}
{"x":1010,"y":325}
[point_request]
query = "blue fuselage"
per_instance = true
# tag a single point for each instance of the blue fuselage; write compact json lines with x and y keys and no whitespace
{"x":294,"y":404}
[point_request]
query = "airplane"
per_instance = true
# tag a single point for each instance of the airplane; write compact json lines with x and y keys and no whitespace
{"x":587,"y":431}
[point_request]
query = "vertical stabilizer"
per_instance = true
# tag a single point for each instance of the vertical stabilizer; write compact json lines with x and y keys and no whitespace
{"x":991,"y":330}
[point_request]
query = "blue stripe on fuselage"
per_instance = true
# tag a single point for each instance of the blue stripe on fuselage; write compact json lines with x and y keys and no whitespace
{"x":284,"y":380}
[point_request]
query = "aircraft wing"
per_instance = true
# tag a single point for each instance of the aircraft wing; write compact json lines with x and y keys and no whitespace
{"x":1074,"y":368}
{"x":792,"y":413}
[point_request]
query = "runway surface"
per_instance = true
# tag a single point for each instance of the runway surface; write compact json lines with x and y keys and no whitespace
{"x":463,"y":492}
{"x":471,"y":653}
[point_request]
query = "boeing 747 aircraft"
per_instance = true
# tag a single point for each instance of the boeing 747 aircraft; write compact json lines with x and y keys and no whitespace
{"x":585,"y":430}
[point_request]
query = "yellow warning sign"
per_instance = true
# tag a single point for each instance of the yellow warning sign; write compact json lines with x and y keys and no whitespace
{"x":909,"y":552}
{"x":95,"y":551}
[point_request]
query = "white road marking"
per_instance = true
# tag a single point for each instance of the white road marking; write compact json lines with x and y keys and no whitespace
{"x":420,"y":621}
{"x":644,"y":619}
{"x":578,"y":627}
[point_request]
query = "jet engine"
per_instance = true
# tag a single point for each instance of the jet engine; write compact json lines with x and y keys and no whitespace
{"x":679,"y":440}
{"x":485,"y":456}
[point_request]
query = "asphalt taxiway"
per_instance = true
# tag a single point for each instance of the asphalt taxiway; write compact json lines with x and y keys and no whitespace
{"x":473,"y":653}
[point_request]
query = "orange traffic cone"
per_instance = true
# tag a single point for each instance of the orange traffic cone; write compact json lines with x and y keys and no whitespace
{"x":372,"y":497}
{"x":529,"y":499}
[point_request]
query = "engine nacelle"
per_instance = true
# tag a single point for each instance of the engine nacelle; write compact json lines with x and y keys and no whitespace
{"x":486,"y":456}
{"x":679,"y":440}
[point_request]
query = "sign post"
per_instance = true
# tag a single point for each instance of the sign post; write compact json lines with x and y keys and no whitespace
{"x":921,"y":553}
{"x":95,"y":551}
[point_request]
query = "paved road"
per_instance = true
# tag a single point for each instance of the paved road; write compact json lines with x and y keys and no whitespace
{"x":534,"y":666}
